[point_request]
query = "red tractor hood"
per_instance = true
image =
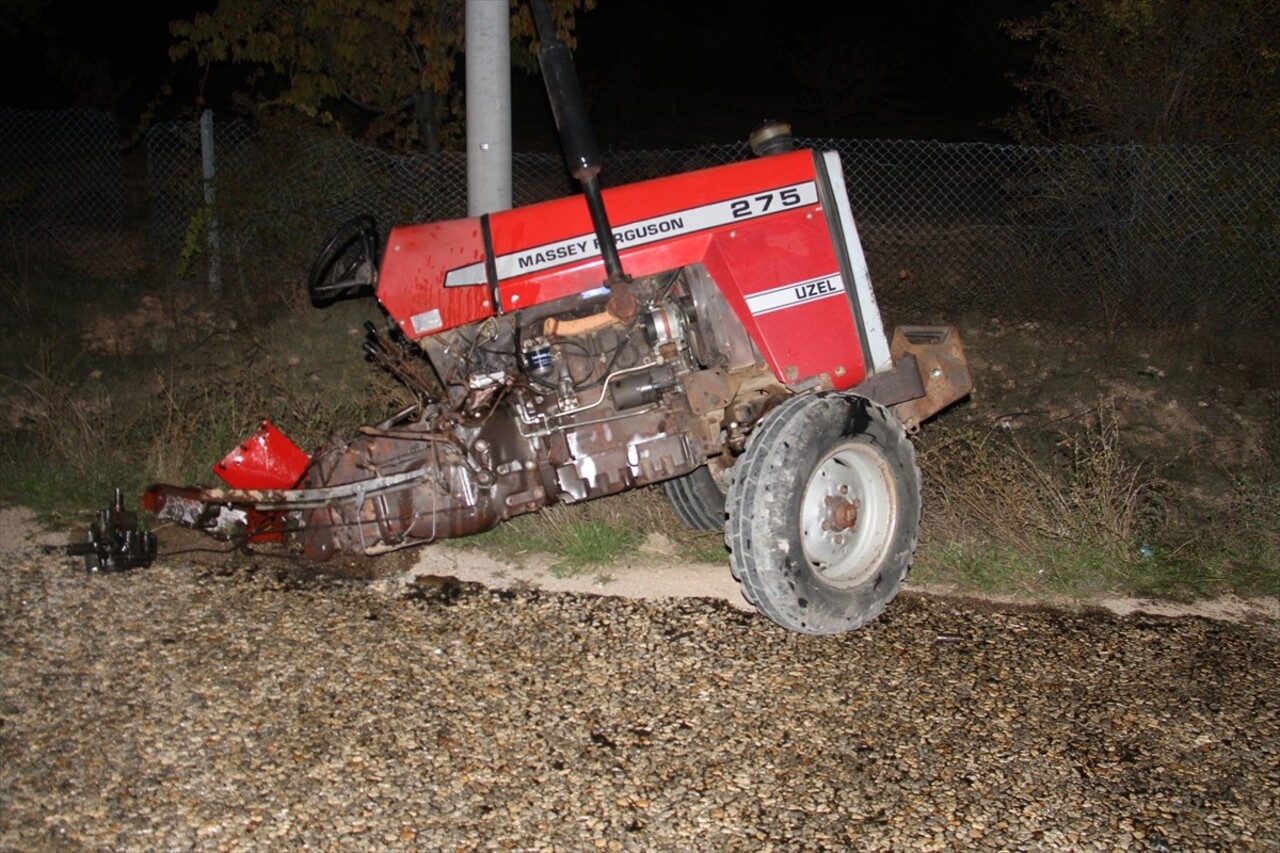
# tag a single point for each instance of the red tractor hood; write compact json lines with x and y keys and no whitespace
{"x":776,"y":234}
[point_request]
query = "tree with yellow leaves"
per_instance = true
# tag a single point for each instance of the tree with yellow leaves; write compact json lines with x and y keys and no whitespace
{"x":387,"y":65}
{"x":1151,"y":71}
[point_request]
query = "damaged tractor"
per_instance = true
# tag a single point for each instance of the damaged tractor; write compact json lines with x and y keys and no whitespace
{"x":714,"y":331}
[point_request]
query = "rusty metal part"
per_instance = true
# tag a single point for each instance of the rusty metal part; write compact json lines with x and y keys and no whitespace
{"x":929,"y":373}
{"x":844,"y":513}
{"x":708,"y":391}
{"x":942,"y":366}
{"x":447,"y":477}
{"x":192,"y":506}
{"x":622,"y":301}
{"x":428,"y":492}
{"x":896,"y":385}
{"x":269,"y":500}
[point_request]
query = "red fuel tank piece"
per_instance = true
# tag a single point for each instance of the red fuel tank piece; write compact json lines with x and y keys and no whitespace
{"x":268,"y":459}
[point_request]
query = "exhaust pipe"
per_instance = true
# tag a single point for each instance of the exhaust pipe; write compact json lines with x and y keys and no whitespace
{"x":579,"y":144}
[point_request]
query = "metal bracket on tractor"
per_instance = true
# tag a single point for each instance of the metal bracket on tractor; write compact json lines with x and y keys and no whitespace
{"x":116,"y":541}
{"x":715,"y":332}
{"x":930,"y":372}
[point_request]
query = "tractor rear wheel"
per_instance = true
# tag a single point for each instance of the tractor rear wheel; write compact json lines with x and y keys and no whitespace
{"x":824,"y":513}
{"x":697,"y":498}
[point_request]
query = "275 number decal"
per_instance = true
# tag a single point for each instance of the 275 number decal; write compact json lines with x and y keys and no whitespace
{"x":765,"y":202}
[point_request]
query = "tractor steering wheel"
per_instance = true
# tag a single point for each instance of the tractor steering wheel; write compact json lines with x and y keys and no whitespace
{"x":347,"y":266}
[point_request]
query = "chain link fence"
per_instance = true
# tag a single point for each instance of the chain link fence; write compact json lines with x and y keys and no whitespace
{"x":62,"y":193}
{"x":177,"y":220}
{"x":1101,"y":236}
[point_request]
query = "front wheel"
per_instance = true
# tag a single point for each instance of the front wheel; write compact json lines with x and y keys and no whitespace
{"x":824,"y":513}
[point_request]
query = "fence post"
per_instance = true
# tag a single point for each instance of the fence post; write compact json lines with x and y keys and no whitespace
{"x":206,"y":157}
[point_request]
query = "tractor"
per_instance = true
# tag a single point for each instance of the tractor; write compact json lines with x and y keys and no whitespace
{"x":714,"y":332}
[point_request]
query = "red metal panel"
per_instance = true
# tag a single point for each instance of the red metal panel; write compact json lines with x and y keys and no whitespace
{"x":268,"y":459}
{"x":757,"y":225}
{"x":783,"y":279}
{"x":416,"y":267}
{"x":548,"y":250}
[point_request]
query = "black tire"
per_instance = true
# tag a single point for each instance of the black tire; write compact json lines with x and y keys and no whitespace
{"x":824,"y":513}
{"x":698,"y":500}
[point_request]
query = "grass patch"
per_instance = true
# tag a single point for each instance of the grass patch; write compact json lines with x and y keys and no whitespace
{"x":699,"y":546}
{"x":1240,"y":543}
{"x":1054,"y":571}
{"x":1077,"y":489}
{"x":1163,"y":486}
{"x":1041,"y":515}
{"x":593,"y":535}
{"x":590,"y":543}
{"x":576,"y":541}
{"x":120,"y":387}
{"x":60,"y":451}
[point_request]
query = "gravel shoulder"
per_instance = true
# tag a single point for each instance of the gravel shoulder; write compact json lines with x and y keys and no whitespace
{"x":238,"y":704}
{"x":658,"y":572}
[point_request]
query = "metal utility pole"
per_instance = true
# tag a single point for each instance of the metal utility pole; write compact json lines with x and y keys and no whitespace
{"x":488,"y":93}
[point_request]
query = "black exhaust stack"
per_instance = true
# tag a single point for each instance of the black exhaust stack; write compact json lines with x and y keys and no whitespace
{"x":576,"y":137}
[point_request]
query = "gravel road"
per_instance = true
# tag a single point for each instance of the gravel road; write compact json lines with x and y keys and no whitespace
{"x":237,"y":705}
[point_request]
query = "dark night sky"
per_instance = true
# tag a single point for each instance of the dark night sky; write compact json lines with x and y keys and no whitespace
{"x":133,"y":42}
{"x":656,"y":72}
{"x":934,"y":68}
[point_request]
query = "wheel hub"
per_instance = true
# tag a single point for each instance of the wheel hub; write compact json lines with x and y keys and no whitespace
{"x":847,"y":520}
{"x":843,"y":513}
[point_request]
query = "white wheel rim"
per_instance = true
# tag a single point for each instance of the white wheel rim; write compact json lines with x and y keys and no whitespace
{"x":847,"y":516}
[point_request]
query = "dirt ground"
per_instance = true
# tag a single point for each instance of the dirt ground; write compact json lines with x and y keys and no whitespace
{"x":656,"y":571}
